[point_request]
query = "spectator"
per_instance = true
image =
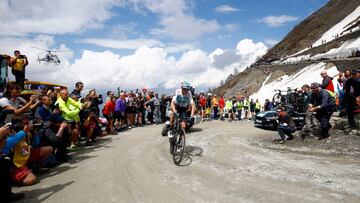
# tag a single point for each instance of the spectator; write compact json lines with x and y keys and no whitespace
{"x":221,"y":104}
{"x":13,"y":102}
{"x":286,"y":125}
{"x":130,"y":110}
{"x":252,"y":108}
{"x":215,"y":105}
{"x":120,"y":107}
{"x":24,"y":146}
{"x":163,"y":103}
{"x":323,"y":103}
{"x":246,"y":108}
{"x":309,"y":119}
{"x":70,"y":110}
{"x":57,"y":135}
{"x":140,"y":106}
{"x":79,"y":86}
{"x":5,"y":170}
{"x":202,"y":105}
{"x":229,"y":109}
{"x":95,"y":101}
{"x":157,"y":113}
{"x":45,"y":110}
{"x":267,"y":105}
{"x":239,"y":106}
{"x":327,"y":81}
{"x":340,"y":87}
{"x":150,"y":108}
{"x":18,"y":64}
{"x":109,"y":111}
{"x":257,"y":107}
{"x":352,"y":90}
{"x":144,"y":98}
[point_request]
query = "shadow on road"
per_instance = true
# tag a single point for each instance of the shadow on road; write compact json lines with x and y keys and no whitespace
{"x":189,"y":152}
{"x":195,"y":130}
{"x":40,"y":195}
{"x":54,"y":171}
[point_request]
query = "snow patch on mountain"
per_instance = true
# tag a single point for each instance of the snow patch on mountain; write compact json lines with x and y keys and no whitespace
{"x":307,"y":75}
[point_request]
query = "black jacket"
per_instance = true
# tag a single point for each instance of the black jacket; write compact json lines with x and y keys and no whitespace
{"x":323,"y":99}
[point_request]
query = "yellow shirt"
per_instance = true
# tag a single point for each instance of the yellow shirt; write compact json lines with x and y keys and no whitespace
{"x":19,"y":65}
{"x":21,"y":153}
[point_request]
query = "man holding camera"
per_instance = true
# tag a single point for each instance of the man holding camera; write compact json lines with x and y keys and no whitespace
{"x":323,"y":103}
{"x":18,"y":64}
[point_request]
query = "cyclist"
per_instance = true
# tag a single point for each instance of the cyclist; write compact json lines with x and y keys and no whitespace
{"x":180,"y":103}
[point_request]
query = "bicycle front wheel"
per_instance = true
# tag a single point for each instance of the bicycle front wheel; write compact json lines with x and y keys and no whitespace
{"x":179,"y":146}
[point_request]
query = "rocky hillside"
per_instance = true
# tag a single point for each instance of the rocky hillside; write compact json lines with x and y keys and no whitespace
{"x":305,"y":34}
{"x":329,"y":38}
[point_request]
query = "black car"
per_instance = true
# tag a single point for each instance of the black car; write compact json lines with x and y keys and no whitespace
{"x":269,"y":119}
{"x":266,"y":119}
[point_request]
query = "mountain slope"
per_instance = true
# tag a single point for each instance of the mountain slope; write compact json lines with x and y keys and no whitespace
{"x":336,"y":26}
{"x":305,"y":34}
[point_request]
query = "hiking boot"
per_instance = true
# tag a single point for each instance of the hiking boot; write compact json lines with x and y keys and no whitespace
{"x":282,"y":141}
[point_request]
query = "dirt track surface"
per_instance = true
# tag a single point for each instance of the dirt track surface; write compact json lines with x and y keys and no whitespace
{"x":223,"y":165}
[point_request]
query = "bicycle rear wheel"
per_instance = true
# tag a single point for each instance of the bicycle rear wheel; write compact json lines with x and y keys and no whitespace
{"x":178,"y":146}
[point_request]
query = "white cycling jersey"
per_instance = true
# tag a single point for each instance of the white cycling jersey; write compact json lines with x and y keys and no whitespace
{"x":183,"y":100}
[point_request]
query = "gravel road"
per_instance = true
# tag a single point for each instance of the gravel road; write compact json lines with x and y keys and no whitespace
{"x":222,"y":165}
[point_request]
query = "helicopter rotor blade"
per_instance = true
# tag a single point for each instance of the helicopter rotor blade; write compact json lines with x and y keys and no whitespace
{"x":40,"y":48}
{"x":61,"y":51}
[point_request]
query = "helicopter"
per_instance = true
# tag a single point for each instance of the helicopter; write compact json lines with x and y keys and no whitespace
{"x":48,"y":56}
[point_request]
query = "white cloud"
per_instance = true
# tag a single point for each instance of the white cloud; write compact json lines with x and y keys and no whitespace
{"x":185,"y":27}
{"x":271,"y":42}
{"x":146,"y":67}
{"x":178,"y":47}
{"x":278,"y":21}
{"x":21,"y":17}
{"x":176,"y":19}
{"x":122,"y":44}
{"x":225,"y":9}
{"x":231,"y":27}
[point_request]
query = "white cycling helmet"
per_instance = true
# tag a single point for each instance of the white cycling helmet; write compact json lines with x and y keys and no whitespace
{"x":185,"y":85}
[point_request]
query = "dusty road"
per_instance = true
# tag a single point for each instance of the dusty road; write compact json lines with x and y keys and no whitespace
{"x":223,"y":166}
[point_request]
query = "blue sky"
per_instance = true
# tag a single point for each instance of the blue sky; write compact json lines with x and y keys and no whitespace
{"x":179,"y":35}
{"x":138,"y":24}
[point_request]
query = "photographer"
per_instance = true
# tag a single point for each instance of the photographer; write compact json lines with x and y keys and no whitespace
{"x":12,"y":102}
{"x":57,"y":135}
{"x":5,"y":168}
{"x":286,"y":125}
{"x":23,"y":145}
{"x":18,"y":64}
{"x":95,"y":101}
